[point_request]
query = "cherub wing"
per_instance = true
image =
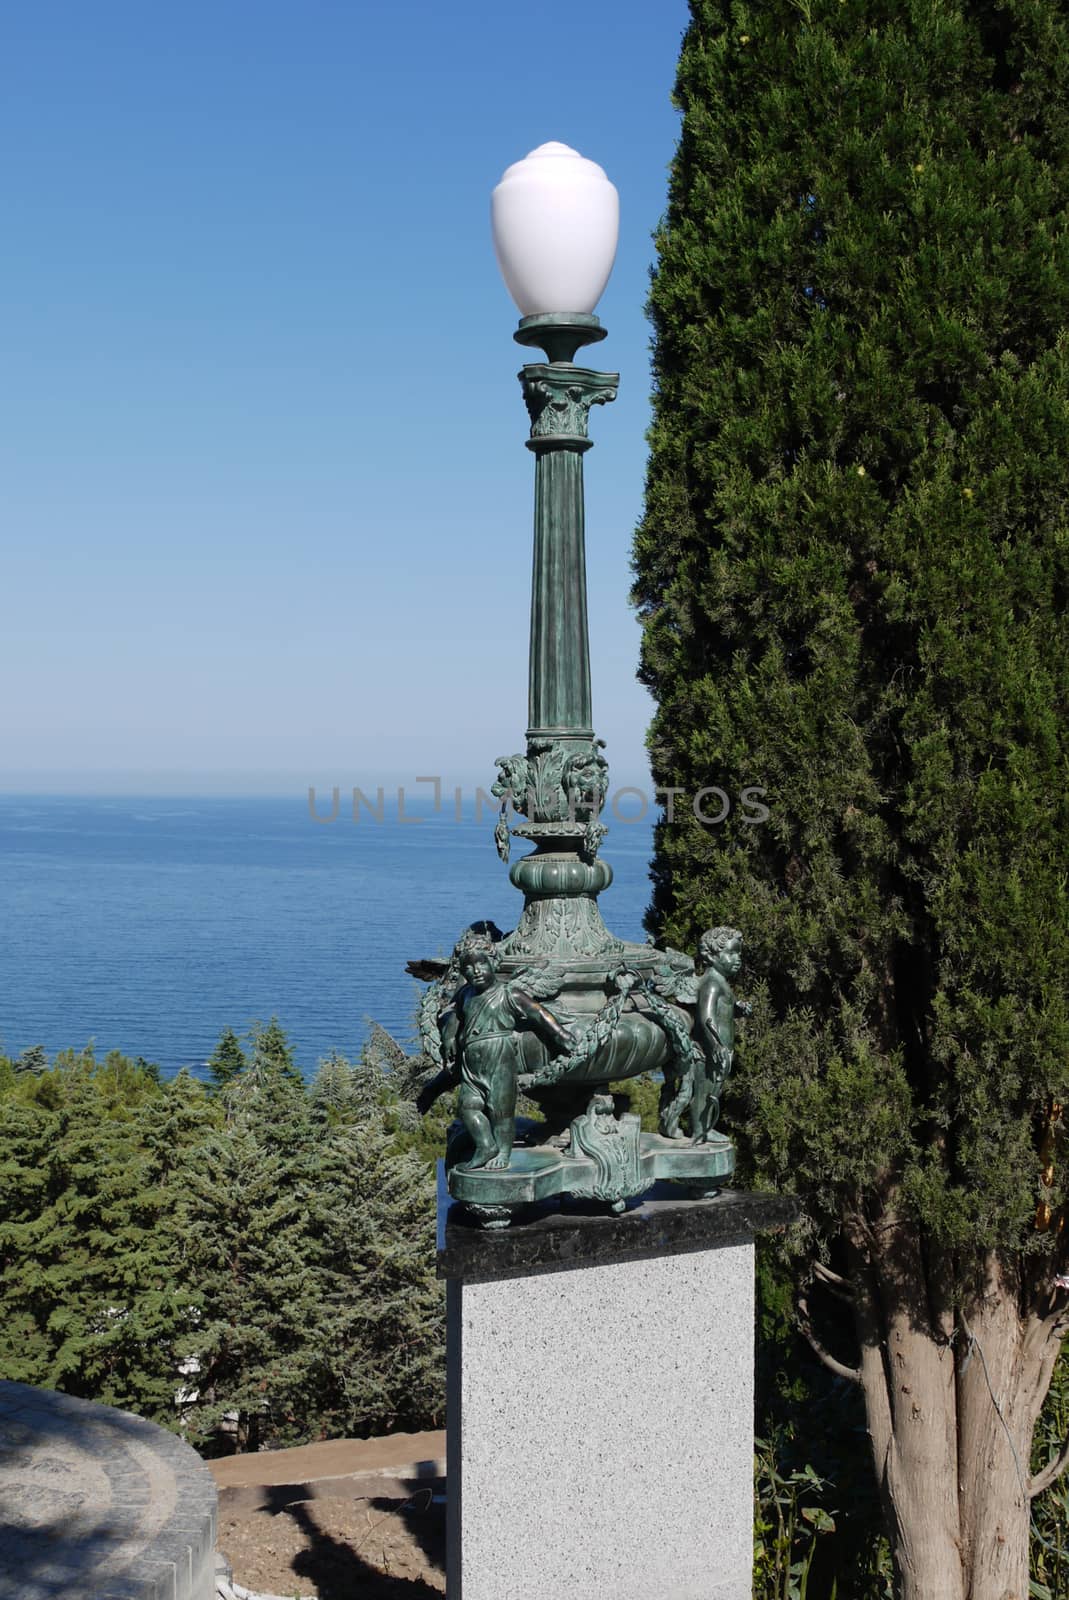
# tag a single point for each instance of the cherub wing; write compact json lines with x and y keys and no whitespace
{"x":681,"y":986}
{"x":686,"y":988}
{"x":540,"y":983}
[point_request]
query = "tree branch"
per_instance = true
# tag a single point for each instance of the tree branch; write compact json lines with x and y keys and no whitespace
{"x":828,"y":1276}
{"x":841,"y":1370}
{"x":1050,"y":1473}
{"x":835,"y":1284}
{"x":1055,"y":1280}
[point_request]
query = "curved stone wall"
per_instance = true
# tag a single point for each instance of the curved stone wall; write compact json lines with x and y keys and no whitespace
{"x":97,"y":1504}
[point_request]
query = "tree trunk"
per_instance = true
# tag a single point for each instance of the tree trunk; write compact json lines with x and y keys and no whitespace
{"x":1004,"y":1369}
{"x":952,"y":1395}
{"x":247,"y":1435}
{"x":994,"y":1441}
{"x":907,"y":1375}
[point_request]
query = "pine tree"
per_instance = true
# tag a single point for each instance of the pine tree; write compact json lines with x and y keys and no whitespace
{"x":332,"y":1088}
{"x":227,"y":1061}
{"x":382,"y":1354}
{"x":254,"y":1252}
{"x":852,"y":579}
{"x":272,"y":1052}
{"x":27,"y":1137}
{"x":263,"y":1253}
{"x":90,"y":1300}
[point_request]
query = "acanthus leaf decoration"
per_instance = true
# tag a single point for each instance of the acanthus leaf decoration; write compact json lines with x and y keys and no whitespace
{"x":559,"y":398}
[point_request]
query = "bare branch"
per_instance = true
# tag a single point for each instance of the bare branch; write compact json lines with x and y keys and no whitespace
{"x":828,"y":1276}
{"x":1055,"y":1315}
{"x":1050,"y":1473}
{"x":835,"y":1284}
{"x":852,"y":1374}
{"x":862,"y":1232}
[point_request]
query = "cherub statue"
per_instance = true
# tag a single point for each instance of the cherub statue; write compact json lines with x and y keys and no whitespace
{"x":720,"y":952}
{"x":482,"y":1032}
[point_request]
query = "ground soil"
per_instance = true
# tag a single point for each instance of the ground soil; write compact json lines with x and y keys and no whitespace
{"x":345,"y":1520}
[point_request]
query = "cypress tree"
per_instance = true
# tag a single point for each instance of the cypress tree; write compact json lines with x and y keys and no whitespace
{"x":852,"y":579}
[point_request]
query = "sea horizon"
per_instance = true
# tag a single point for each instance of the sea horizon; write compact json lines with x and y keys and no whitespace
{"x":149,"y":923}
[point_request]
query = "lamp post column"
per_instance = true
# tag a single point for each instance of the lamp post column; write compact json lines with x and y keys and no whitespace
{"x":560,"y":784}
{"x":559,"y":396}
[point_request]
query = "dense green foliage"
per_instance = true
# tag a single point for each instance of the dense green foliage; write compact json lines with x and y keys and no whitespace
{"x":252,"y":1263}
{"x":852,"y":578}
{"x":852,"y":574}
{"x":817,"y":1521}
{"x":273,"y":1235}
{"x":1050,"y":1513}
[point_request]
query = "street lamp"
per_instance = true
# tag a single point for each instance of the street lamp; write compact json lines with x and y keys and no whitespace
{"x":560,"y":1008}
{"x":555,"y":219}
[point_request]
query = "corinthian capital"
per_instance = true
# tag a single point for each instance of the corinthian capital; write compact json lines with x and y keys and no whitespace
{"x":559,"y":399}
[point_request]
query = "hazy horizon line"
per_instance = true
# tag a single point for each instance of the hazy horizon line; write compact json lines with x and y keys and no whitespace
{"x":132,"y":784}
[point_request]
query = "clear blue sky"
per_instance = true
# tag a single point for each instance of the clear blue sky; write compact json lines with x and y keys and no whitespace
{"x":265,"y":503}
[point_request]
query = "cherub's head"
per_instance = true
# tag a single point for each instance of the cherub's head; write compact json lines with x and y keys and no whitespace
{"x":585,"y":780}
{"x":722,"y":948}
{"x":477,"y":960}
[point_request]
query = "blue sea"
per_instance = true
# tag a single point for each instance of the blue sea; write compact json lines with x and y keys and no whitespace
{"x":149,"y":925}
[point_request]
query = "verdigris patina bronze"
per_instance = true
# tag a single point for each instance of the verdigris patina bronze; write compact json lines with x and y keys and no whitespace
{"x":618,"y":1009}
{"x":481,"y":1032}
{"x":720,"y":952}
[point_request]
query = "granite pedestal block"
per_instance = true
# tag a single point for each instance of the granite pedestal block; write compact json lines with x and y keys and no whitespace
{"x":600,"y":1401}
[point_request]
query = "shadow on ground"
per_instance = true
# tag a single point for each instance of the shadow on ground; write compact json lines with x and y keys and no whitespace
{"x":380,"y":1547}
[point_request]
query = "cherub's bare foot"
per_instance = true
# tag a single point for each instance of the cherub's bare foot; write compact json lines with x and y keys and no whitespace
{"x":716,"y":1140}
{"x":496,"y":1162}
{"x":481,"y":1158}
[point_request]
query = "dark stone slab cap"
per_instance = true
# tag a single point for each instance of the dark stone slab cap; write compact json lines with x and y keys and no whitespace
{"x":550,"y":1238}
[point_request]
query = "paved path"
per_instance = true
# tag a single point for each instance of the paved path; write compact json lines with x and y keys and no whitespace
{"x":96,"y":1504}
{"x":396,"y":1455}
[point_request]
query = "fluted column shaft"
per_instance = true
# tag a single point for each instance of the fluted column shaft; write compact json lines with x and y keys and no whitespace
{"x":559,"y":397}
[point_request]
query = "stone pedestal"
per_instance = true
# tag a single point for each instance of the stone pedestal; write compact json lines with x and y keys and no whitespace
{"x":600,"y":1400}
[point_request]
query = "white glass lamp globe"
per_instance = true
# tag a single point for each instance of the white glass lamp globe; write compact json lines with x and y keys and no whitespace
{"x":556,"y":219}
